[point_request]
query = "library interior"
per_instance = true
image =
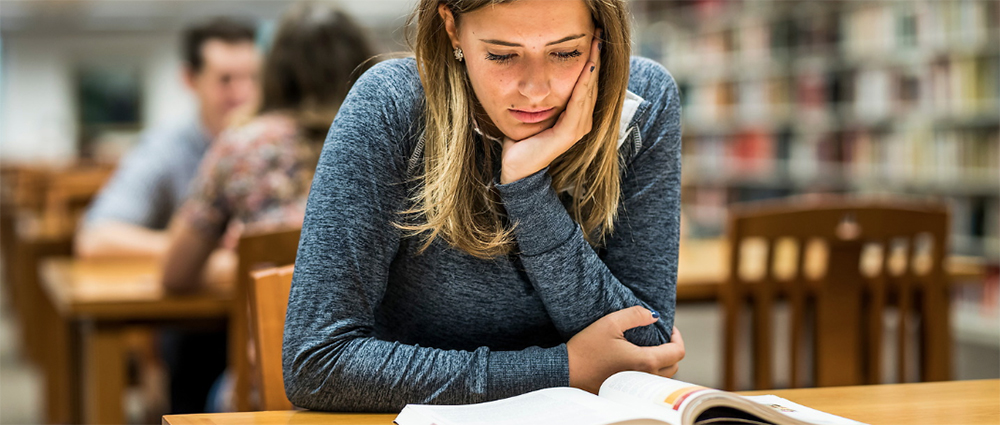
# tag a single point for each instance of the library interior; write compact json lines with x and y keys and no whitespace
{"x":839,"y":201}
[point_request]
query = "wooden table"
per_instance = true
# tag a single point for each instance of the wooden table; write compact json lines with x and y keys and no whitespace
{"x":93,"y":302}
{"x":32,"y":241}
{"x":944,"y":403}
{"x":929,"y":403}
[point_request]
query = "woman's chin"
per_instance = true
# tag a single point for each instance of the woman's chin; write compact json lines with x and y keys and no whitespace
{"x":522,"y":131}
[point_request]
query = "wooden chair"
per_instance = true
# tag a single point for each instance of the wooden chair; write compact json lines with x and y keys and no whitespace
{"x":268,"y":301}
{"x":43,"y":204}
{"x":8,"y":180}
{"x":256,"y":251}
{"x":877,"y":255}
{"x":70,"y":192}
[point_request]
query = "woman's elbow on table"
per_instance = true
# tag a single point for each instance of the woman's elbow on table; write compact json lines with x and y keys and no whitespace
{"x":329,"y":391}
{"x":315,"y":381}
{"x":303,"y":380}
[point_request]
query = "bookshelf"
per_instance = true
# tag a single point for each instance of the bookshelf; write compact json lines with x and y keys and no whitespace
{"x":872,"y":98}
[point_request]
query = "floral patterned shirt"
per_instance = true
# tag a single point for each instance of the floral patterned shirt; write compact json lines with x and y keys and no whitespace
{"x":254,"y":177}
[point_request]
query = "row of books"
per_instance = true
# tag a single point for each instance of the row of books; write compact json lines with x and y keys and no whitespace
{"x":757,"y":30}
{"x":887,"y":26}
{"x":974,"y":224}
{"x":976,"y":310}
{"x":912,"y":159}
{"x":947,"y":90}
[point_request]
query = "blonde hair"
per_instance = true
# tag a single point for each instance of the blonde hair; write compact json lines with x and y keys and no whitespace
{"x":455,"y":198}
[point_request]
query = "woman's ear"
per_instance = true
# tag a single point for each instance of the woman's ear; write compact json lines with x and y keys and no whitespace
{"x":449,"y":24}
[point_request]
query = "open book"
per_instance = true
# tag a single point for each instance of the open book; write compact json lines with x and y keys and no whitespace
{"x":625,"y":398}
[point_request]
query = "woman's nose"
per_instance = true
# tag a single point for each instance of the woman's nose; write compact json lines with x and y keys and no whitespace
{"x":534,"y":81}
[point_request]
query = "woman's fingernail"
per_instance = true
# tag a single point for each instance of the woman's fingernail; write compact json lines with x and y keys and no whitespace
{"x":592,"y":68}
{"x":656,"y":314}
{"x":600,"y":45}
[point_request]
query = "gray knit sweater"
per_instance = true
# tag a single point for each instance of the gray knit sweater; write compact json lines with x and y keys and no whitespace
{"x":372,"y":325}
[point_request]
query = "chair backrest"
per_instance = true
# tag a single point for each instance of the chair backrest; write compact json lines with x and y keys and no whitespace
{"x":839,"y":264}
{"x":53,"y":197}
{"x":256,"y":251}
{"x":27,"y":187}
{"x":268,"y":301}
{"x":70,"y":192}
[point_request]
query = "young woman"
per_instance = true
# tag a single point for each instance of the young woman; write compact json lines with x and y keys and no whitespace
{"x":497,"y":215}
{"x":256,"y":175}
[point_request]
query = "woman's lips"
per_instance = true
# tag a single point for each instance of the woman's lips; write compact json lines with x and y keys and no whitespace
{"x":531,"y":117}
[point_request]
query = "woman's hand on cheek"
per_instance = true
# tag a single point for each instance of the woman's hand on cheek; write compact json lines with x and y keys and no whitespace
{"x":526,"y":157}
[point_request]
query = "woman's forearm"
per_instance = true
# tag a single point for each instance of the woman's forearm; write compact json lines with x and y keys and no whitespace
{"x":575,"y":284}
{"x":184,"y":264}
{"x":349,"y":372}
{"x":119,"y":239}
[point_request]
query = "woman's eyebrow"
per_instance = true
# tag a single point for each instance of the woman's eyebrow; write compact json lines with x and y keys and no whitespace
{"x":509,"y":44}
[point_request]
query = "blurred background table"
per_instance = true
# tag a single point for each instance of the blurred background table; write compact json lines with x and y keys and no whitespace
{"x":92,"y":304}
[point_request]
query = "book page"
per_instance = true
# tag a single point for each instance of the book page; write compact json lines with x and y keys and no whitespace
{"x":799,"y":411}
{"x":543,"y":407}
{"x":638,"y":387}
{"x":683,"y":402}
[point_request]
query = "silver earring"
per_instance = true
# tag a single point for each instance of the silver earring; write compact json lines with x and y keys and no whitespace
{"x":459,"y":55}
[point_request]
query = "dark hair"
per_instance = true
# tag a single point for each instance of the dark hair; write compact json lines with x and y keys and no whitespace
{"x":317,"y":53}
{"x":224,"y":29}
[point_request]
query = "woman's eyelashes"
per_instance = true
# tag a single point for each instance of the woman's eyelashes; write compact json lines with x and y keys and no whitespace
{"x":567,"y":55}
{"x":503,"y":59}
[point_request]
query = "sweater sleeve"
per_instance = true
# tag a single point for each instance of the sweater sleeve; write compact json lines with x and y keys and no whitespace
{"x":638,"y":263}
{"x":332,"y":359}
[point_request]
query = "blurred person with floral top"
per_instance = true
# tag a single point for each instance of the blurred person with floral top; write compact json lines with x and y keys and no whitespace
{"x":256,"y":175}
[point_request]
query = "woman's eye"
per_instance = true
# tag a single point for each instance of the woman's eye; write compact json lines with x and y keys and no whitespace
{"x":567,"y":55}
{"x":499,"y":58}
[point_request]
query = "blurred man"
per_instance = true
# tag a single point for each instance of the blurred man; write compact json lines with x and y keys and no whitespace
{"x":130,"y":215}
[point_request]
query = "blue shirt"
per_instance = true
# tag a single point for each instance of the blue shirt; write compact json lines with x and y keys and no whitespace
{"x":371,"y":325}
{"x":154,"y":179}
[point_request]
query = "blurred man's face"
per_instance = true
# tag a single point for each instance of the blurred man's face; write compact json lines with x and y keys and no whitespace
{"x":227,"y":80}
